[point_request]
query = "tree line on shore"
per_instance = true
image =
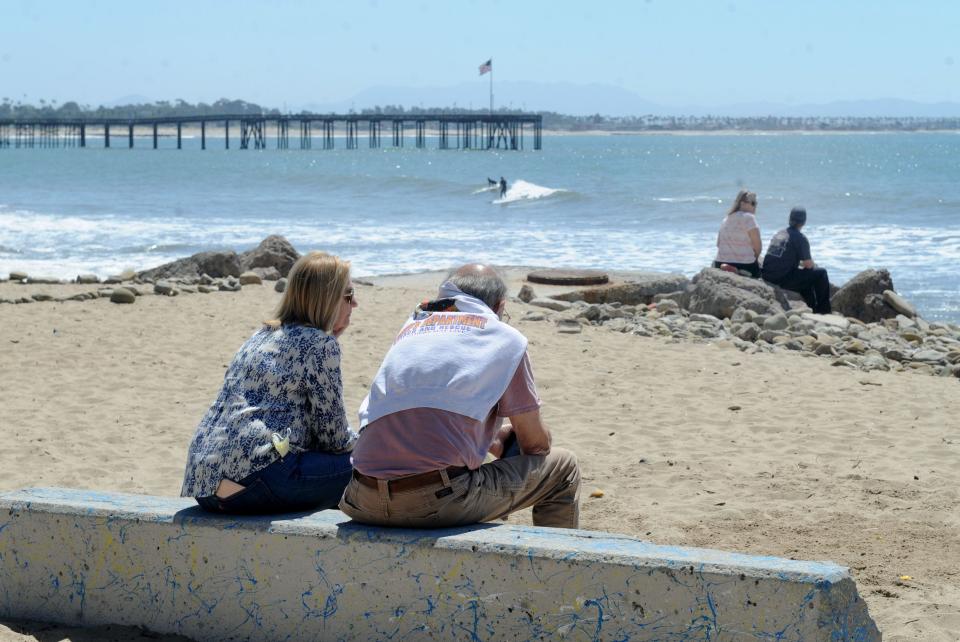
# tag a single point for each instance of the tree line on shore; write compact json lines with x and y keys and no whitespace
{"x":11,"y":110}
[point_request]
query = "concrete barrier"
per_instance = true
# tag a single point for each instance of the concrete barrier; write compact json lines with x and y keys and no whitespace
{"x":89,"y":558}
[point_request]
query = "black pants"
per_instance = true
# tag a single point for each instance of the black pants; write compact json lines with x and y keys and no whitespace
{"x":813,"y":285}
{"x":752,"y":268}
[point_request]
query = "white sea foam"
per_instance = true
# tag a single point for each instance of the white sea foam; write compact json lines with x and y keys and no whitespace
{"x":521,"y":190}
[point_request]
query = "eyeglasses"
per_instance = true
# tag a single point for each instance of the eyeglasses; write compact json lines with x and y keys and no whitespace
{"x":350,"y":296}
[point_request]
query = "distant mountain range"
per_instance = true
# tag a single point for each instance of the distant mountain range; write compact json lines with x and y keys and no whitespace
{"x":595,"y":98}
{"x":609,"y":100}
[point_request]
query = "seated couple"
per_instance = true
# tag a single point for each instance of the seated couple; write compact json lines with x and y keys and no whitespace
{"x":277,"y":439}
{"x":787,"y":262}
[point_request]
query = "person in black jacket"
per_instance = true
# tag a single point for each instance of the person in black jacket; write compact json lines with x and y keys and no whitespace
{"x":788,"y":264}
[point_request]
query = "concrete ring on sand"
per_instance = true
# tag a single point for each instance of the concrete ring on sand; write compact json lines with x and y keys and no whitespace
{"x":568,"y":277}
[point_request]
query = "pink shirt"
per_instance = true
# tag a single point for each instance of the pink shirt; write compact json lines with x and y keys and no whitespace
{"x":423,"y":439}
{"x":733,"y":241}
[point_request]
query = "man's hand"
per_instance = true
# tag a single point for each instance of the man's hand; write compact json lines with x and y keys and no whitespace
{"x":808,"y":264}
{"x":496,"y":448}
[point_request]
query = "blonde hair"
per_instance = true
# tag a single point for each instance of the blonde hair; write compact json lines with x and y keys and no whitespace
{"x":742,"y":196}
{"x":315,"y":288}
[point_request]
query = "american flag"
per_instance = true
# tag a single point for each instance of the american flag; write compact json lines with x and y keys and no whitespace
{"x":486,"y":67}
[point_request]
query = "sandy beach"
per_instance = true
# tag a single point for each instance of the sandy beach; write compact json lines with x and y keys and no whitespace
{"x":693,"y":444}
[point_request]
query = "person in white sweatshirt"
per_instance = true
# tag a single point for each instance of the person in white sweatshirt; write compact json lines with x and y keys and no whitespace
{"x":435,"y":410}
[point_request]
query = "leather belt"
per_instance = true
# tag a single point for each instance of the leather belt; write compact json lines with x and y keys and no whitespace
{"x":411,"y":482}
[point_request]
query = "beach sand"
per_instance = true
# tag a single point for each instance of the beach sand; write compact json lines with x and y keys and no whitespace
{"x":692,"y":444}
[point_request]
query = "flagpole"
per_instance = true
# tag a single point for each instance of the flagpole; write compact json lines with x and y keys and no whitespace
{"x":491,"y":86}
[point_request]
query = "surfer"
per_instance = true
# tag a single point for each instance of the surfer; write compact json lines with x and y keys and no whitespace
{"x":503,"y":186}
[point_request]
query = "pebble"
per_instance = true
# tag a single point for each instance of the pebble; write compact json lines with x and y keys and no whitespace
{"x":206,"y":289}
{"x":281,"y":285}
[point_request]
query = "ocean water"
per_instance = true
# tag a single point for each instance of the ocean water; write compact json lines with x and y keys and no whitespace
{"x":651,"y":202}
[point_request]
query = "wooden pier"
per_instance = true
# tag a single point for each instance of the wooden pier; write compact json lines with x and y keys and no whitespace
{"x":451,"y":131}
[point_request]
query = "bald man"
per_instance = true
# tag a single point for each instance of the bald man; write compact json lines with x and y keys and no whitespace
{"x":435,"y":411}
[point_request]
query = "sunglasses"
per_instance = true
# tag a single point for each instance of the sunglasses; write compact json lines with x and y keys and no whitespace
{"x":350,"y":297}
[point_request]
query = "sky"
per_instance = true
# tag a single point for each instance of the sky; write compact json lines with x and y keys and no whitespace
{"x":290,"y":53}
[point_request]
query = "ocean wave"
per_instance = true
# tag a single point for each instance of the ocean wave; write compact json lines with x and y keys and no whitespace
{"x":8,"y":250}
{"x":690,"y":199}
{"x":521,"y":190}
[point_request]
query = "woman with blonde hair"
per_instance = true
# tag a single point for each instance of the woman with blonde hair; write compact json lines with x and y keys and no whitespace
{"x":738,"y":242}
{"x":276,"y":439}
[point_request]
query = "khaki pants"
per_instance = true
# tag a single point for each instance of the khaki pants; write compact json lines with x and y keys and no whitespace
{"x":549,"y":483}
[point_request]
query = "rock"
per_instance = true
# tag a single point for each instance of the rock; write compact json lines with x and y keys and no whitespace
{"x":591,"y":313}
{"x":771,"y":336}
{"x":281,"y":284}
{"x":618,"y":325}
{"x":532,"y":315}
{"x":17,"y":275}
{"x":43,"y":280}
{"x":899,"y":304}
{"x":748,"y":332}
{"x":824,"y":349}
{"x":668,"y":306}
{"x":568,"y":326}
{"x":827,"y":319}
{"x":205,"y":279}
{"x":188,"y":289}
{"x":87,"y":278}
{"x":911,"y":337}
{"x":267,"y":273}
{"x":637,"y":289}
{"x":740,"y":315}
{"x":776,"y":322}
{"x":216,"y":264}
{"x":847,"y":360}
{"x":273,"y":251}
{"x":164,"y":288}
{"x":705,"y":318}
{"x":122,"y":295}
{"x":230,"y":284}
{"x":874,"y":362}
{"x":720,"y":293}
{"x":855,"y":346}
{"x":551,"y":304}
{"x":526,"y":293}
{"x":904,"y":322}
{"x":850,"y":300}
{"x":207,"y":289}
{"x":250,"y":278}
{"x":929,"y":356}
{"x":42,"y":297}
{"x":894,"y":354}
{"x":680,"y":296}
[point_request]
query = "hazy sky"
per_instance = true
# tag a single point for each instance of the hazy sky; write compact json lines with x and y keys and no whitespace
{"x":289,"y":52}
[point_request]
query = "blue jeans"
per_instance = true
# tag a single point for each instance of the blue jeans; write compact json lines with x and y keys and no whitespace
{"x":300,"y":481}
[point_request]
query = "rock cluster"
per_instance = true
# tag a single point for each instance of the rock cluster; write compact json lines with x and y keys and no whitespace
{"x":270,"y":260}
{"x":757,"y":317}
{"x":204,"y":272}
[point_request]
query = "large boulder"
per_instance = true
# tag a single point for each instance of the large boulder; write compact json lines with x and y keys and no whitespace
{"x":216,"y":264}
{"x":636,"y":290}
{"x":851,"y":299}
{"x":273,"y":251}
{"x":719,"y":293}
